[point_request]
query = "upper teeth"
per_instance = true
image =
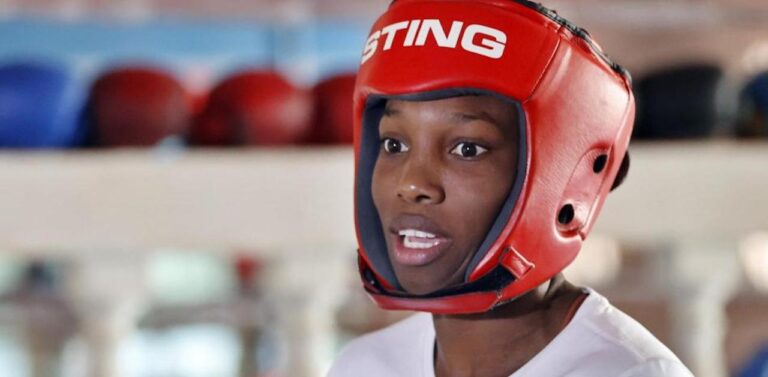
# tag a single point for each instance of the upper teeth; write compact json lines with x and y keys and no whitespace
{"x":415,"y":233}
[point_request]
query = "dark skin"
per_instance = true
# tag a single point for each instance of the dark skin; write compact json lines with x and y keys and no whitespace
{"x":446,"y":166}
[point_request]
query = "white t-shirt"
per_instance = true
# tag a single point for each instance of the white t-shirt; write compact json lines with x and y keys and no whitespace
{"x":599,"y":341}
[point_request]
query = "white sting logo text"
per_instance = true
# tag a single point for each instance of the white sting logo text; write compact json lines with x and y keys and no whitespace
{"x":478,"y":39}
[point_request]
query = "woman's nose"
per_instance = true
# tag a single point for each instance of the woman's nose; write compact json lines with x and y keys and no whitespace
{"x":420,"y":183}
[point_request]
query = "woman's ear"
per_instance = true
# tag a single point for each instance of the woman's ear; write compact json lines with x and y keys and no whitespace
{"x":622,"y":174}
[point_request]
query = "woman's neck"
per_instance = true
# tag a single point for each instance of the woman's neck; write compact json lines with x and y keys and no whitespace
{"x":499,"y":342}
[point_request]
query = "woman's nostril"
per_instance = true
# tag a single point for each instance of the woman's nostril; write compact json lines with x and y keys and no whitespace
{"x":423,"y":198}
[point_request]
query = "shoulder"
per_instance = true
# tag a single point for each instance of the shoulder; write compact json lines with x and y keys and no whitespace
{"x":601,"y":340}
{"x":620,"y":332}
{"x":622,"y":343}
{"x":393,"y":351}
{"x":658,"y":367}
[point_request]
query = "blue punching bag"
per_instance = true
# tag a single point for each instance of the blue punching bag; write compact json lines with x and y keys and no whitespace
{"x":757,"y":366}
{"x":753,"y":108}
{"x":40,"y":107}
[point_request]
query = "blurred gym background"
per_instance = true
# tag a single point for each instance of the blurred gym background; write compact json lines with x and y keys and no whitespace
{"x":175,"y":184}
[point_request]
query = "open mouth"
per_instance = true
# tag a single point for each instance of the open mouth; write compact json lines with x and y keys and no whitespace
{"x":416,"y":247}
{"x":416,"y":239}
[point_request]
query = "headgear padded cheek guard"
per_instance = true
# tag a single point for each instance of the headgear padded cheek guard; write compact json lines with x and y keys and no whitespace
{"x":577,"y":111}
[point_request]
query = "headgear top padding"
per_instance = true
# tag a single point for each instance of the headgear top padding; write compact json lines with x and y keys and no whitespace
{"x":40,"y":107}
{"x":253,"y":108}
{"x":577,"y":111}
{"x":137,"y":106}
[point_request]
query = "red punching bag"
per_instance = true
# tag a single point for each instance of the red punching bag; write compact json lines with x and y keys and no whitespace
{"x":253,"y":108}
{"x":138,"y":106}
{"x":332,"y":115}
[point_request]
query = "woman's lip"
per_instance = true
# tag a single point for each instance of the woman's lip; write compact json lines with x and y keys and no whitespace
{"x":415,"y":257}
{"x":415,"y":222}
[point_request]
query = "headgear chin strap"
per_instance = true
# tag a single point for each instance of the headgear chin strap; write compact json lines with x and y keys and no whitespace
{"x":577,"y":109}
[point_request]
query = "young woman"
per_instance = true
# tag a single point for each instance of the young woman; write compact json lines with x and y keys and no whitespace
{"x":488,"y":134}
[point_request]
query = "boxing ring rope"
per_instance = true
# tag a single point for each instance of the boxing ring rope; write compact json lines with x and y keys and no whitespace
{"x":109,"y":210}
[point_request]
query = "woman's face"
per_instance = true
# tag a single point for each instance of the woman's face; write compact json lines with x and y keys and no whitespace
{"x":444,"y":169}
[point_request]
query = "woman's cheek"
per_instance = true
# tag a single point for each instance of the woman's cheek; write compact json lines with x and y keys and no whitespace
{"x":469,"y":178}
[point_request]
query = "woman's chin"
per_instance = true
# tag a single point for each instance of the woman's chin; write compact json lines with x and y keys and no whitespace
{"x":415,"y":283}
{"x":423,"y":271}
{"x":418,"y":290}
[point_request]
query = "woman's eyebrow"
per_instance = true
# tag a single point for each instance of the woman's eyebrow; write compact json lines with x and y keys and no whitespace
{"x":465,"y":117}
{"x":389,"y":111}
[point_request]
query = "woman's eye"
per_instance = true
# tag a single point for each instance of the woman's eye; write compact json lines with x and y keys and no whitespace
{"x":393,"y":145}
{"x":468,"y":150}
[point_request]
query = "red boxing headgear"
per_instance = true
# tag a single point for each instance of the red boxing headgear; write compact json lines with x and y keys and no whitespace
{"x":576,"y":109}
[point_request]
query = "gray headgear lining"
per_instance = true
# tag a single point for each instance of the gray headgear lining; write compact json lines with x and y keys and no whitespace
{"x":370,"y":228}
